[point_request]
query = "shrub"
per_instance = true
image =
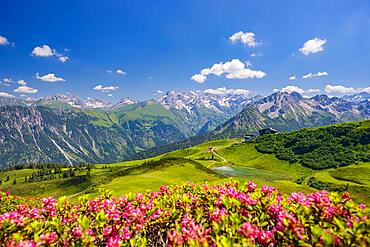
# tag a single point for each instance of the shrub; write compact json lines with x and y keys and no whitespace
{"x":197,"y":215}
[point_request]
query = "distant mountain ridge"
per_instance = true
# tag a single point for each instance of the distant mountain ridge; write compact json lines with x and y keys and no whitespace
{"x":282,"y":111}
{"x":221,"y":103}
{"x":288,"y":111}
{"x":66,"y":129}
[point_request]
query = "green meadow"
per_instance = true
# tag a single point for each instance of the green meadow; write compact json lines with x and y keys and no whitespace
{"x":229,"y":159}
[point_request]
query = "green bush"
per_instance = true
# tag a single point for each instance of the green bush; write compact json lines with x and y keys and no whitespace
{"x":322,"y":148}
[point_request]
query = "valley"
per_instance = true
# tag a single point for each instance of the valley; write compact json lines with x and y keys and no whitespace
{"x":66,"y":129}
{"x":234,"y":159}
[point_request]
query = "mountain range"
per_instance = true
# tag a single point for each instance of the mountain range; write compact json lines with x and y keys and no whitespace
{"x":66,"y":129}
{"x":289,"y":111}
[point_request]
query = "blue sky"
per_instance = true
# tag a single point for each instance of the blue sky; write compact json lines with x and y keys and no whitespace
{"x":160,"y":45}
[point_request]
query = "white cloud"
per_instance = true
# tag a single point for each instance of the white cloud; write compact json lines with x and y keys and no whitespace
{"x":258,"y":54}
{"x":109,"y":71}
{"x":3,"y":40}
{"x":120,"y":72}
{"x":46,"y":51}
{"x":246,"y":73}
{"x":6,"y":95}
{"x":110,"y":95}
{"x":247,"y":38}
{"x":25,"y":89}
{"x":49,"y":77}
{"x":275,"y":90}
{"x":105,"y":89}
{"x":290,"y":89}
{"x":22,"y":82}
{"x":216,"y":69}
{"x":365,"y":89}
{"x":339,"y":89}
{"x":224,"y":90}
{"x":63,"y":59}
{"x":292,"y":78}
{"x":232,"y":69}
{"x":7,"y":81}
{"x":159,"y":91}
{"x":314,"y":45}
{"x":199,"y":78}
{"x":318,"y":74}
{"x":42,"y":51}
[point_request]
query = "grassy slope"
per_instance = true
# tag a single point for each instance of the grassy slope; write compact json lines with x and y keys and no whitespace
{"x":184,"y":165}
{"x":173,"y":172}
{"x":357,"y":177}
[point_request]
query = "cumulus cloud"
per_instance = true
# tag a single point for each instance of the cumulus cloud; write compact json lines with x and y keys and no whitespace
{"x":49,"y":78}
{"x":63,"y":59}
{"x":22,"y":82}
{"x":105,"y":88}
{"x":110,"y":95}
{"x":224,"y":91}
{"x":318,"y":74}
{"x":339,"y":89}
{"x":292,"y":88}
{"x":42,"y":51}
{"x":247,"y":38}
{"x":199,"y":78}
{"x":3,"y":40}
{"x":159,"y":91}
{"x":6,"y":95}
{"x":46,"y":51}
{"x":312,"y":46}
{"x":25,"y":89}
{"x":120,"y":72}
{"x":234,"y":69}
{"x":6,"y":81}
{"x":292,"y":78}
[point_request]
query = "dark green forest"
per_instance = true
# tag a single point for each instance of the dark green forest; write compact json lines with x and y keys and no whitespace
{"x":320,"y":148}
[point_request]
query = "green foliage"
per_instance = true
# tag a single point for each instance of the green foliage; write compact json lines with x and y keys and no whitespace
{"x":227,"y":214}
{"x":321,"y":148}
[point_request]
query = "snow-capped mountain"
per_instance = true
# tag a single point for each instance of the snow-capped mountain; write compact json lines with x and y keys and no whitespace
{"x":70,"y":99}
{"x":124,"y":102}
{"x":283,"y":104}
{"x":293,"y":105}
{"x":192,"y":100}
{"x":359,"y":97}
{"x":48,"y":129}
{"x":288,"y":111}
{"x":95,"y":103}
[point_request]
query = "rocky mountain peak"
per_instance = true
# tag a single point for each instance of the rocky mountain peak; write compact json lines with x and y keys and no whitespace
{"x":95,"y":103}
{"x":125,"y":102}
{"x":70,"y":99}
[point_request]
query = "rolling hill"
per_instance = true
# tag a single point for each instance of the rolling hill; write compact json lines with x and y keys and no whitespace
{"x":227,"y":158}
